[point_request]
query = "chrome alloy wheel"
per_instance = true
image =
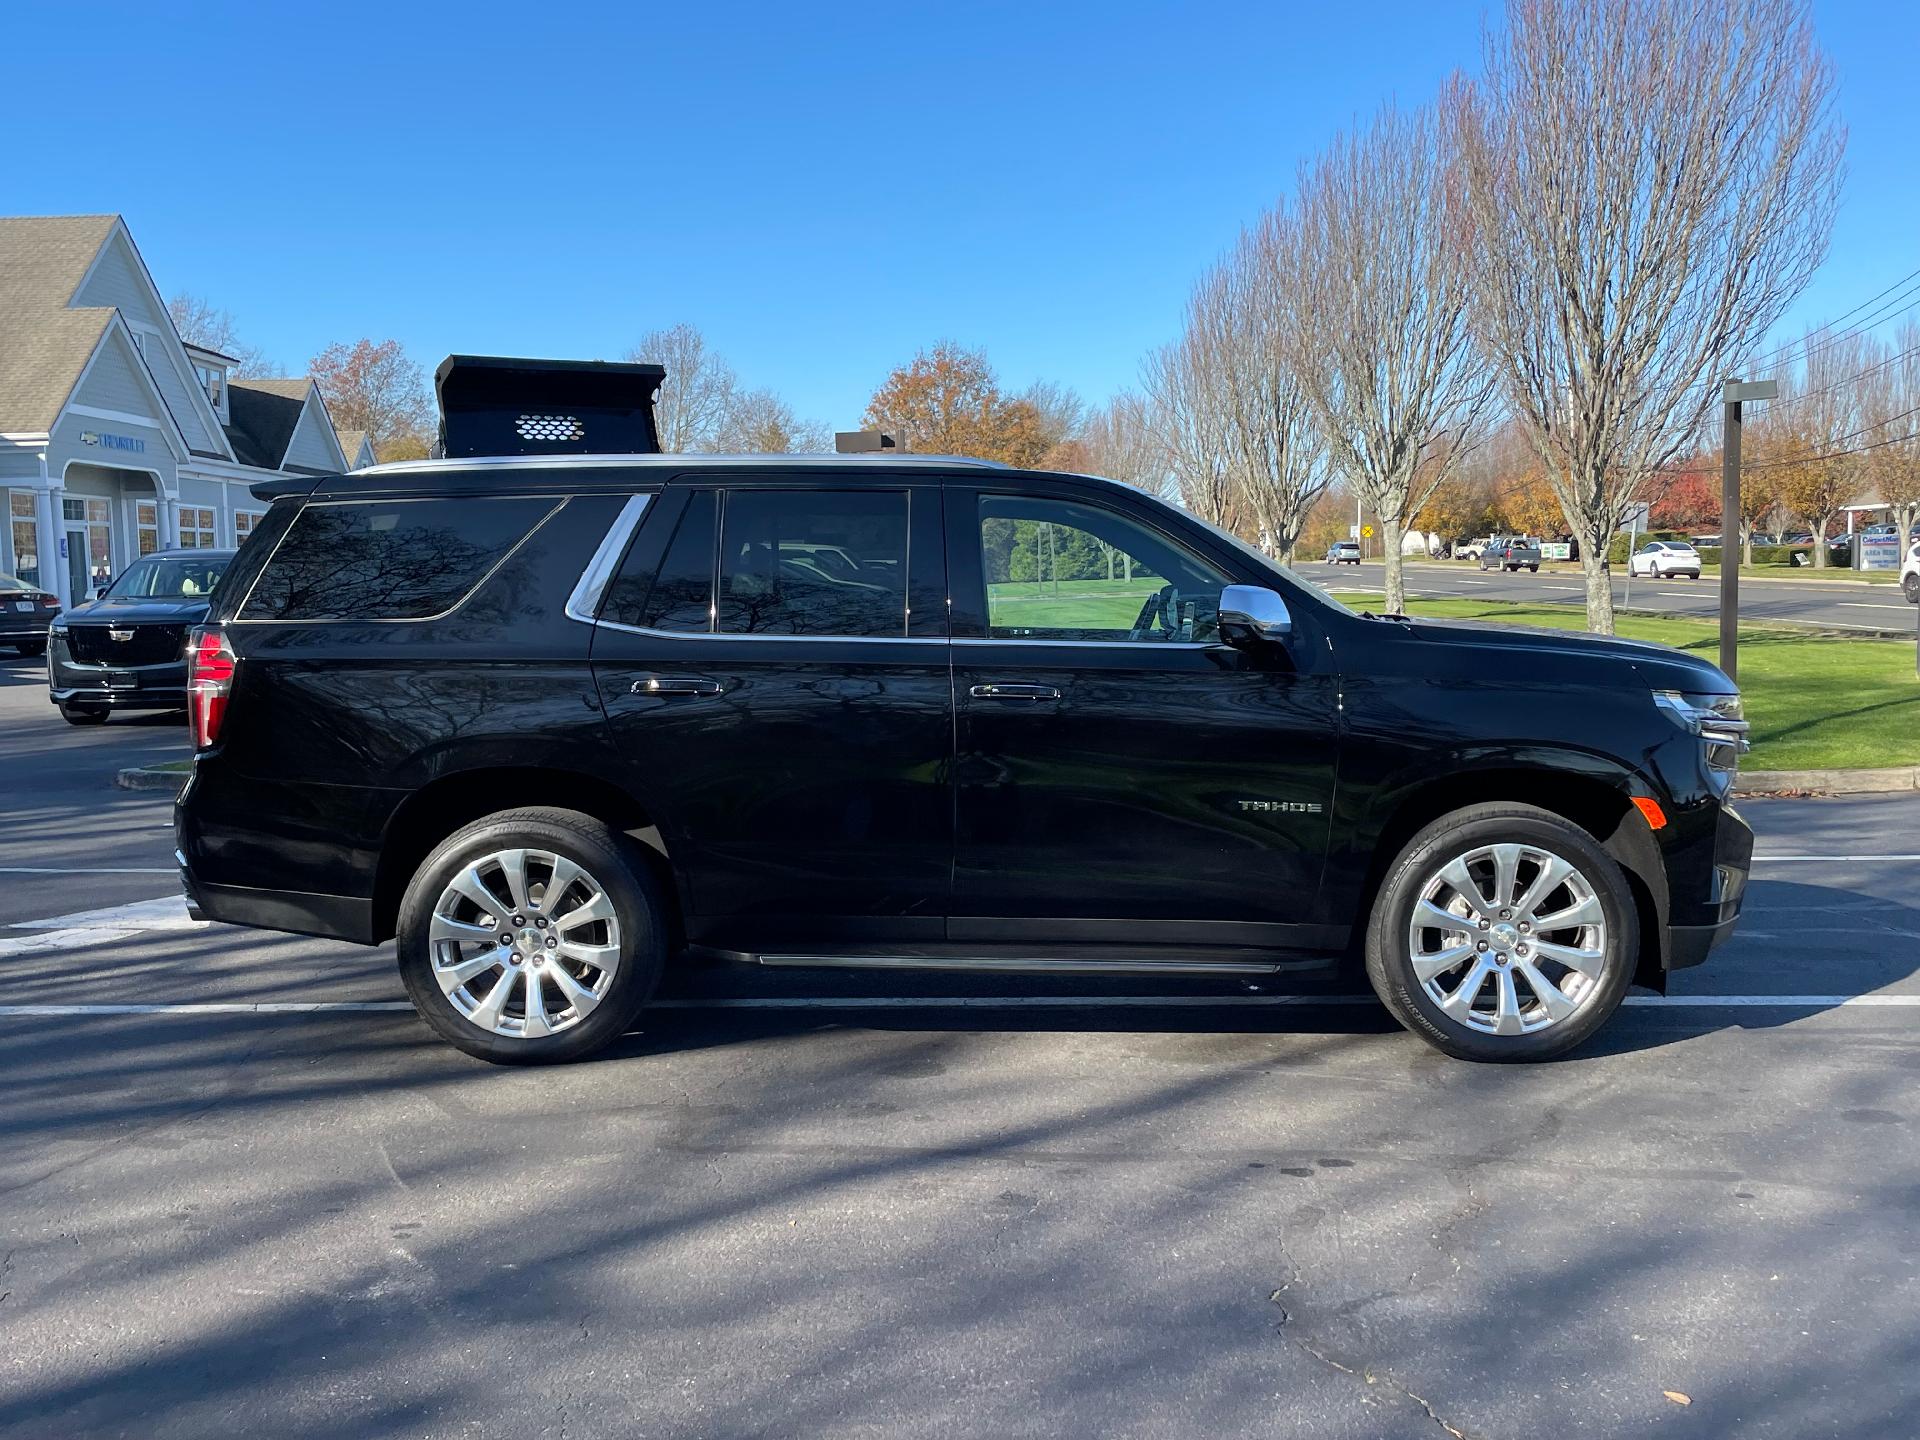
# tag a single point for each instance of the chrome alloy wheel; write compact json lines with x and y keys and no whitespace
{"x":1508,"y":939}
{"x":524,"y":943}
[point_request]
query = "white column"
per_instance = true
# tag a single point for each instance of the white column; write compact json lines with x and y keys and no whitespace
{"x":169,"y":521}
{"x":53,"y":565}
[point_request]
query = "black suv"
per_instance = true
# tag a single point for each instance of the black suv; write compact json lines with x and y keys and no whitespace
{"x":126,"y":650}
{"x":552,"y":720}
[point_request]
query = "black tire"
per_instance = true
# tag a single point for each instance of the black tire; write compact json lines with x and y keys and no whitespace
{"x":83,"y":714}
{"x":1910,"y":587}
{"x":1534,"y":568}
{"x":614,"y":860}
{"x":31,"y":648}
{"x":1390,"y":965}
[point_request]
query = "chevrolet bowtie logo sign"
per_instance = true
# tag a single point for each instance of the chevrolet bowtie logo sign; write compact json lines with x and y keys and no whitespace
{"x":108,"y":441}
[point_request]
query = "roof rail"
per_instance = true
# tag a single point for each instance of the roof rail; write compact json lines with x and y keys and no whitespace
{"x":879,"y":461}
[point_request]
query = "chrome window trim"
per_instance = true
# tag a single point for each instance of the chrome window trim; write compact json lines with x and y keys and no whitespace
{"x":743,"y":635}
{"x":471,"y":591}
{"x":583,"y":604}
{"x":1100,"y":644}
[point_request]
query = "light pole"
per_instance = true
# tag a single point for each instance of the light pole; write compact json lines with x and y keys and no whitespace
{"x":1731,"y":394}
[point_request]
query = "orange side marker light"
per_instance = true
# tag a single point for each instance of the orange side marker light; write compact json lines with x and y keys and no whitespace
{"x":1656,"y":817}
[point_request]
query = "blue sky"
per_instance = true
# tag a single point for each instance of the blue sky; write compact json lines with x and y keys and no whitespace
{"x":823,"y":189}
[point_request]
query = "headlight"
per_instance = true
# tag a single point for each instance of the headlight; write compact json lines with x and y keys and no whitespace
{"x":57,"y":627}
{"x":1717,"y":719}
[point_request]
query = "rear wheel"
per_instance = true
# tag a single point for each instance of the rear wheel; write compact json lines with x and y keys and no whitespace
{"x":532,"y":936}
{"x":1534,"y":568}
{"x":83,"y":714}
{"x":1911,"y":585}
{"x":1503,"y":932}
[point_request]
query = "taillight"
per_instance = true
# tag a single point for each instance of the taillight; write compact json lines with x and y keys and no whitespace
{"x":47,"y":602}
{"x":210,"y":667}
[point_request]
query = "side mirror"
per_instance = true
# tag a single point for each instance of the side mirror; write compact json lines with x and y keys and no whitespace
{"x":1253,"y":612}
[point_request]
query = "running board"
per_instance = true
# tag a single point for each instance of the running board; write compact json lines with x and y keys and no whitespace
{"x":1022,"y":966}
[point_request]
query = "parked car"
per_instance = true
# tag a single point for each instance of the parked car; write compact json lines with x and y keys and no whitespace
{"x":1910,"y":573}
{"x":592,"y":722}
{"x":1344,"y":552}
{"x":1511,"y":552}
{"x":25,"y":612}
{"x":1471,"y":549}
{"x":1764,"y":537}
{"x":1665,"y":558}
{"x":1713,"y":539}
{"x":126,"y":650}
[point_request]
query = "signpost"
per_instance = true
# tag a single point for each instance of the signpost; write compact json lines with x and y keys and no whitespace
{"x":1731,"y":396}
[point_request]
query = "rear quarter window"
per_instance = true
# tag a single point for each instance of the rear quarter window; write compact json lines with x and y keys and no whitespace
{"x":390,"y":559}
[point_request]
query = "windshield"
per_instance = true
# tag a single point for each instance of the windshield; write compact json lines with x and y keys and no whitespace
{"x":174,"y":577}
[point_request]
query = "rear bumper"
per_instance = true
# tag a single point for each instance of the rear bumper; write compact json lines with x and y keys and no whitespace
{"x":335,"y":917}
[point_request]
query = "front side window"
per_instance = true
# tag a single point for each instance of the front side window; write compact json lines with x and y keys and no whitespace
{"x":390,"y":560}
{"x":1059,"y":570}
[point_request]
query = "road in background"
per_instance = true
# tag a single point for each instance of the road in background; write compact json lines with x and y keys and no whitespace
{"x":807,"y":1203}
{"x":1839,"y":604}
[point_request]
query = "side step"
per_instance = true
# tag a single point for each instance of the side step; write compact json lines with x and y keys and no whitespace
{"x":1021,"y":965}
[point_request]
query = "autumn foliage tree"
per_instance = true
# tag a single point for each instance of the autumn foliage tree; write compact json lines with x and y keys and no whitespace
{"x":948,"y":401}
{"x":377,"y":388}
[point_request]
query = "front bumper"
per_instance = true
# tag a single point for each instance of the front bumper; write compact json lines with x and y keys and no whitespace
{"x":1708,"y":890}
{"x":130,"y":687}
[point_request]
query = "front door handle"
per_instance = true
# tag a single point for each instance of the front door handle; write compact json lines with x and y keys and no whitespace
{"x":1000,"y":691}
{"x":674,"y":685}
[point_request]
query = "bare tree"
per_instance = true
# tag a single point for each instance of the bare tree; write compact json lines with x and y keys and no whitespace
{"x":698,"y":392}
{"x":759,"y":422}
{"x":1652,"y":181}
{"x":200,"y":322}
{"x":1377,"y":255}
{"x":1118,"y":442}
{"x":1063,"y":414}
{"x":1182,"y":381}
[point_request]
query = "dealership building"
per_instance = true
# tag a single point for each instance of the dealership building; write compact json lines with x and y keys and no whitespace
{"x":117,"y":438}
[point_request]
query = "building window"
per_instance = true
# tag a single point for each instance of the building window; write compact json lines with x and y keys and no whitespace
{"x":146,"y":527}
{"x":243,"y":523}
{"x":25,"y":531}
{"x":213,"y":380}
{"x":196,"y":528}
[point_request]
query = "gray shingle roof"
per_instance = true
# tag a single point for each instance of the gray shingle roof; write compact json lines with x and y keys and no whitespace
{"x":46,"y":345}
{"x":265,"y":415}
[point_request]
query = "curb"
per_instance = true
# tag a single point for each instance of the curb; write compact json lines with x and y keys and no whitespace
{"x":141,"y":777}
{"x":1902,"y":778}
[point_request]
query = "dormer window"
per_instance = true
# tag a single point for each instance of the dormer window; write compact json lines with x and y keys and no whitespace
{"x":213,"y":379}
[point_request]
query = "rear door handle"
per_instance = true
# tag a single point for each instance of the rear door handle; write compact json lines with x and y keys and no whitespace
{"x":999,"y":691}
{"x":674,"y":685}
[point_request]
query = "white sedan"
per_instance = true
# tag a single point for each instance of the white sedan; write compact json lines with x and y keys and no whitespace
{"x":1660,"y":558}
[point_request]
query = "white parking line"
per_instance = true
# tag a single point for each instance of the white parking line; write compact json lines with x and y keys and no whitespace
{"x":1801,"y":859}
{"x":971,"y":1002}
{"x":1868,"y":605}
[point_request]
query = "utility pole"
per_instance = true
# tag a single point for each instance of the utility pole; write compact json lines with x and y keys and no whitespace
{"x":1731,"y":394}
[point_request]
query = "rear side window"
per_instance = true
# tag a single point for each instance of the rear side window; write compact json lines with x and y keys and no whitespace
{"x":777,"y":562}
{"x":391,"y":559}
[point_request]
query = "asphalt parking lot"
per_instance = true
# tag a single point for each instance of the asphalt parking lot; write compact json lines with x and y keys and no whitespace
{"x":1837,"y":604}
{"x":244,"y":1189}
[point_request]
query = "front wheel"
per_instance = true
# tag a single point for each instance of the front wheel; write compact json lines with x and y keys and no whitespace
{"x":1503,"y":932}
{"x":1911,"y":587}
{"x":83,"y":714}
{"x":532,"y":936}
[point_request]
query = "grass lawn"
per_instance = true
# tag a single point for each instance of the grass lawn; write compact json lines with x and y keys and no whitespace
{"x":1071,"y":604}
{"x":1816,"y":702}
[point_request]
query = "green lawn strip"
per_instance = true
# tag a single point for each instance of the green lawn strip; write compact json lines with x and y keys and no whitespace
{"x":1071,"y":604}
{"x":1817,"y":702}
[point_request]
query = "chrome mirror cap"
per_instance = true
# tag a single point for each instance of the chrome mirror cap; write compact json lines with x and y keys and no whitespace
{"x":1253,"y":611}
